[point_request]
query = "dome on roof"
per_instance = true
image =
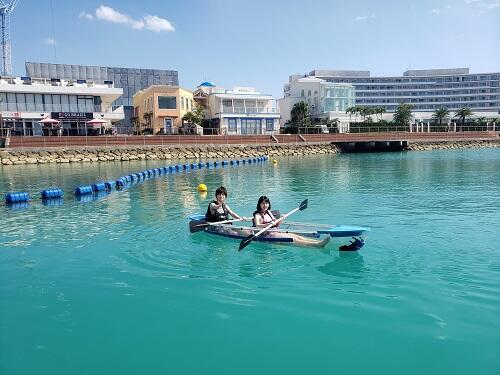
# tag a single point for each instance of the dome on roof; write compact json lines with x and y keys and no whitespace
{"x":207,"y":84}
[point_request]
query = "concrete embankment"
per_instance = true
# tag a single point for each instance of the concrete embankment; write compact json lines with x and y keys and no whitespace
{"x":83,"y":155}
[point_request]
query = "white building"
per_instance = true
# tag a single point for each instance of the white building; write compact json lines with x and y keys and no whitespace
{"x":241,"y":110}
{"x":25,"y":101}
{"x":325,"y":99}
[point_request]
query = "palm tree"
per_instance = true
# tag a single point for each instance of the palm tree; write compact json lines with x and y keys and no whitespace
{"x":380,"y":111}
{"x":148,"y":118}
{"x":441,"y":114}
{"x":349,"y":111}
{"x":403,"y":115}
{"x":463,"y":113}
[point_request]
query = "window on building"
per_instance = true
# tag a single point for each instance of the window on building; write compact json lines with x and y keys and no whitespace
{"x":269,"y":124}
{"x":167,"y":102}
{"x":231,"y":126}
{"x":302,"y":93}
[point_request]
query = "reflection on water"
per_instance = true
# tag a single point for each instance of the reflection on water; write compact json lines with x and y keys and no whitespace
{"x":123,"y":265}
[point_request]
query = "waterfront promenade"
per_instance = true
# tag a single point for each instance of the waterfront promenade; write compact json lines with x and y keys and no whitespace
{"x":21,"y":142}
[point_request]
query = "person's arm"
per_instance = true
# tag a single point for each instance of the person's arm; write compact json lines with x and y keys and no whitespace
{"x":232,"y":213}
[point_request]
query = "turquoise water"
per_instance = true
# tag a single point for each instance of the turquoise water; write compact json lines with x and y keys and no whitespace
{"x":118,"y":285}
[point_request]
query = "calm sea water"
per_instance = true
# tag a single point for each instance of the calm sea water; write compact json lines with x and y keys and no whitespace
{"x":118,"y":285}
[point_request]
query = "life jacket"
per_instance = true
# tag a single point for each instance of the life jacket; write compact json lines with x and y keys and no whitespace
{"x":269,"y":214}
{"x":217,"y":216}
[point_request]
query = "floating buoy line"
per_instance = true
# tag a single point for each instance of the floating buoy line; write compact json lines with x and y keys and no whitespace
{"x":86,"y":193}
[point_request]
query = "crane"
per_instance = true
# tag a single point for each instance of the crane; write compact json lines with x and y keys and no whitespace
{"x":6,"y":9}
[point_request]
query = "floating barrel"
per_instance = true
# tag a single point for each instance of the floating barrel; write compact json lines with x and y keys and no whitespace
{"x":232,"y":162}
{"x":201,"y":165}
{"x":52,"y":193}
{"x":110,"y":185}
{"x":17,"y":197}
{"x":224,"y":162}
{"x":186,"y":166}
{"x":216,"y":163}
{"x":166,"y":170}
{"x":209,"y":165}
{"x":249,"y":161}
{"x":101,"y":186}
{"x":243,"y":161}
{"x":194,"y":166}
{"x":120,"y":182}
{"x":83,"y":190}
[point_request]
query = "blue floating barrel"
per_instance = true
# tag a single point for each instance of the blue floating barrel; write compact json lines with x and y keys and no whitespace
{"x":17,"y":197}
{"x":194,"y":166}
{"x":216,"y":163}
{"x":209,"y":165}
{"x":243,"y":161}
{"x":120,"y":182}
{"x":186,"y":166}
{"x":159,"y":170}
{"x":249,"y":161}
{"x":101,"y":186}
{"x":110,"y":185}
{"x":201,"y":165}
{"x":225,"y":162}
{"x":255,"y":160}
{"x":165,"y":170}
{"x":52,"y":193}
{"x":83,"y":190}
{"x":232,"y":162}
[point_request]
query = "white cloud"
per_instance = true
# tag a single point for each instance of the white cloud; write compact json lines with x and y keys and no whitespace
{"x":494,"y":5}
{"x":448,"y":6}
{"x":435,"y":11}
{"x":148,"y":22}
{"x":364,"y":18}
{"x":157,"y":24}
{"x":50,"y":41}
{"x":471,"y":1}
{"x":85,"y":15}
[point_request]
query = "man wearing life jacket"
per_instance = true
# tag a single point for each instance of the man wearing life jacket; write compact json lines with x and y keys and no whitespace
{"x":218,"y":210}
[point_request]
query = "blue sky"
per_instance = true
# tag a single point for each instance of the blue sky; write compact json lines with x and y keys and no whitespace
{"x":258,"y":43}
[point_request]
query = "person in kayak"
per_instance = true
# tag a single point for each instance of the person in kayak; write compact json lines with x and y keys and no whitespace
{"x":218,"y":210}
{"x":262,"y":217}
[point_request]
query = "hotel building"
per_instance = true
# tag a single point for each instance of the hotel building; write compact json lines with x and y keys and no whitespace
{"x":130,"y":80}
{"x":425,"y":90}
{"x":25,"y":101}
{"x":166,"y":106}
{"x":241,"y":110}
{"x":325,"y":99}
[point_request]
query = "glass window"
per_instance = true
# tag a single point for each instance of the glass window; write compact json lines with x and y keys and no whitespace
{"x":269,"y":124}
{"x":65,"y":103}
{"x":11,"y":102}
{"x":39,"y":102}
{"x":302,"y":93}
{"x":167,"y":102}
{"x":21,"y":102}
{"x":73,"y":106}
{"x":231,"y":127}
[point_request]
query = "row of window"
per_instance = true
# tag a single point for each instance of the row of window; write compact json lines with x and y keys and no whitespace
{"x":434,"y":106}
{"x":432,"y":87}
{"x":426,"y":93}
{"x":492,"y":77}
{"x":248,"y":125}
{"x":22,"y":102}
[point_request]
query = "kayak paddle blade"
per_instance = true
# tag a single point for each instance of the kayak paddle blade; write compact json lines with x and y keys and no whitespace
{"x":244,"y":242}
{"x":303,"y":205}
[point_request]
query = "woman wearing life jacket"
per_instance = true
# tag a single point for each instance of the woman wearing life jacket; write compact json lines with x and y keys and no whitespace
{"x":218,"y":210}
{"x":263,"y":216}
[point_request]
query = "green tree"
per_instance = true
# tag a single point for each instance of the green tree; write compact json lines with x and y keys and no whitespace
{"x":403,"y":115}
{"x":148,"y":118}
{"x":300,"y":115}
{"x":462,"y":114}
{"x":440,"y":114}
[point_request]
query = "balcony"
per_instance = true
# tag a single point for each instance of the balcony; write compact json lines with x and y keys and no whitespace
{"x":249,"y":110}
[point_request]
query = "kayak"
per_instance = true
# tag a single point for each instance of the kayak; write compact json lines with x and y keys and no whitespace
{"x":346,"y":237}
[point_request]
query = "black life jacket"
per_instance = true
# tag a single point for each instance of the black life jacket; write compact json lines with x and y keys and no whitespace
{"x":218,"y":216}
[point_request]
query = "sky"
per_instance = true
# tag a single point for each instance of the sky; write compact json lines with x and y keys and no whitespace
{"x":255,"y":42}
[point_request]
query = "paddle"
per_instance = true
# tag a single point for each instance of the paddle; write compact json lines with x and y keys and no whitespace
{"x":199,"y":225}
{"x":252,"y":237}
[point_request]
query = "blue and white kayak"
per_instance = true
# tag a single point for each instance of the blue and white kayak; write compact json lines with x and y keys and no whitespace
{"x":346,"y":237}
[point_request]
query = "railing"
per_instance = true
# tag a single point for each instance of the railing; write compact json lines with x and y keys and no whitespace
{"x":252,"y":110}
{"x":172,"y":140}
{"x":40,"y":107}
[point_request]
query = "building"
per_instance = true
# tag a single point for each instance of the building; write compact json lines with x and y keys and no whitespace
{"x":161,"y":108}
{"x":130,"y":80}
{"x":425,"y":90}
{"x":71,"y":104}
{"x":241,"y":110}
{"x":325,"y":99}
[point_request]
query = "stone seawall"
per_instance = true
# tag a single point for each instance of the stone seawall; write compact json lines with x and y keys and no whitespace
{"x":452,"y":145}
{"x":88,"y":155}
{"x":102,"y":154}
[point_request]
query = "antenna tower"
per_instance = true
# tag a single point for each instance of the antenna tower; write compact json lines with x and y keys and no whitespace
{"x":6,"y":9}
